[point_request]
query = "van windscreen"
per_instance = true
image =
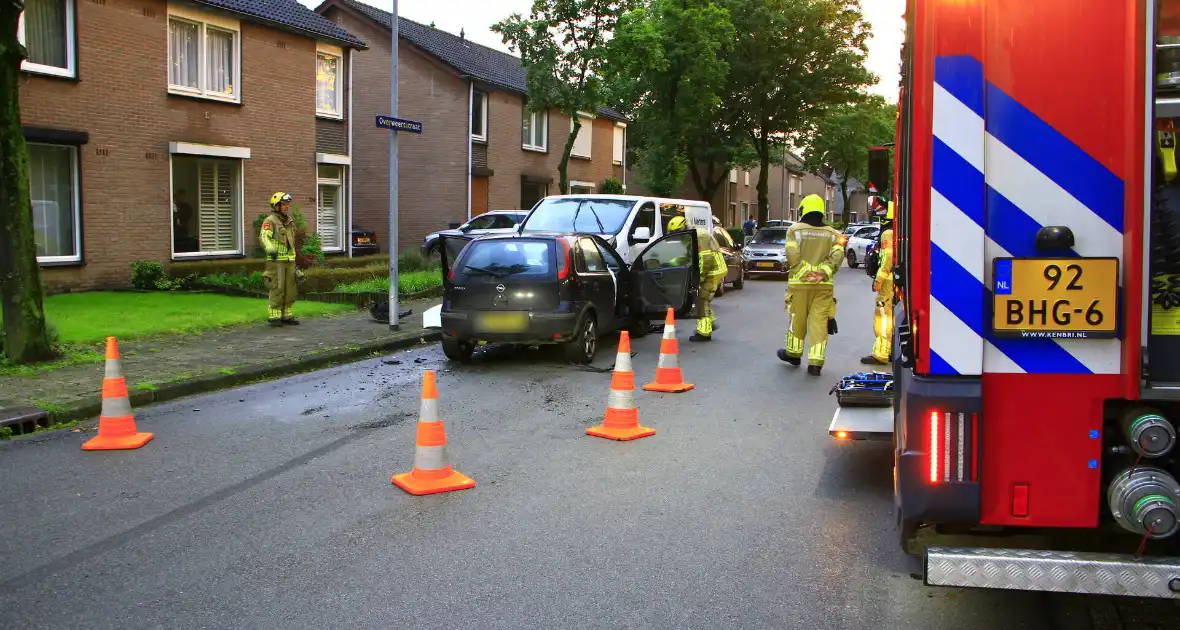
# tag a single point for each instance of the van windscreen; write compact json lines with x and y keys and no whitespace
{"x":580,"y":214}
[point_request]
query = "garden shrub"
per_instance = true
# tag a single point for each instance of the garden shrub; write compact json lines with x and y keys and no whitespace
{"x":612,"y":186}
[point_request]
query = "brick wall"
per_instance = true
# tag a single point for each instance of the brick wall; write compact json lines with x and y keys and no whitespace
{"x":331,"y":135}
{"x":432,"y":170}
{"x":121,"y":99}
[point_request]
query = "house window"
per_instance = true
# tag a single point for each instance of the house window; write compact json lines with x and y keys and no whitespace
{"x":531,"y":193}
{"x":581,"y":146}
{"x":53,"y":189}
{"x":535,"y":130}
{"x":46,"y":28}
{"x":747,"y":174}
{"x":203,"y":56}
{"x":733,"y":175}
{"x":329,"y":82}
{"x":581,"y":188}
{"x":206,"y":205}
{"x":479,"y":116}
{"x":329,"y":216}
{"x":620,"y":143}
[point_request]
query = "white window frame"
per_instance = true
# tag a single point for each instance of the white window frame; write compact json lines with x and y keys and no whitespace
{"x":76,"y":188}
{"x":536,"y":119}
{"x":587,"y":128}
{"x":578,"y":184}
{"x":480,"y":100}
{"x":241,"y":154}
{"x":204,"y":21}
{"x":327,"y":50}
{"x":341,"y":199}
{"x":71,"y":69}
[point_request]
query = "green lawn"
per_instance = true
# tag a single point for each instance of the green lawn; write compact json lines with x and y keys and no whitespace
{"x":408,"y":282}
{"x":93,"y":316}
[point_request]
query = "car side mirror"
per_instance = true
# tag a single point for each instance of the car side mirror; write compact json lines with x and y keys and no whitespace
{"x":641,"y":235}
{"x":466,"y":227}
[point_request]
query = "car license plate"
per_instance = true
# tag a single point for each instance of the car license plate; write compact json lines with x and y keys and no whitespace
{"x":362,"y":239}
{"x":765,"y":264}
{"x":1066,"y":298}
{"x":509,"y":322}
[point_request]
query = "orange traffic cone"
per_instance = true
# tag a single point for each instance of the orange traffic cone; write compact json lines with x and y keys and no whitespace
{"x":669,"y":379}
{"x":432,"y":472}
{"x":622,"y":416}
{"x":116,"y":424}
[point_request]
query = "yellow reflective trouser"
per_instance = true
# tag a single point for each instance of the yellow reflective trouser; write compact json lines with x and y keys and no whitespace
{"x":280,"y":280}
{"x":705,"y":317}
{"x":883,"y":323}
{"x":810,"y":306}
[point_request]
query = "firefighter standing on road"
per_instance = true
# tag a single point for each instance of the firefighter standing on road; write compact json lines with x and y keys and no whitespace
{"x":883,"y":285}
{"x":713,"y":269}
{"x":278,"y":239}
{"x":814,"y":253}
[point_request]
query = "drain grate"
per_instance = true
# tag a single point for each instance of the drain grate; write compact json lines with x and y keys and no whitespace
{"x":23,"y":420}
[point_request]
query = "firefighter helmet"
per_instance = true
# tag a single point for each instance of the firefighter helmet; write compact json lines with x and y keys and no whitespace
{"x":811,"y":203}
{"x":279,"y":198}
{"x":677,"y":223}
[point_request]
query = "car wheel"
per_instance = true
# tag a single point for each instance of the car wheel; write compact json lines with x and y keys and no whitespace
{"x":852,"y":260}
{"x":434,"y":254}
{"x":741,"y":280}
{"x":458,"y":350}
{"x":584,"y":346}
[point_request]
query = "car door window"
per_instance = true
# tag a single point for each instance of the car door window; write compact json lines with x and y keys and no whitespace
{"x":483,"y":222}
{"x":646,"y":217}
{"x":589,"y":259}
{"x":866,"y":232}
{"x":723,"y":238}
{"x":670,"y":252}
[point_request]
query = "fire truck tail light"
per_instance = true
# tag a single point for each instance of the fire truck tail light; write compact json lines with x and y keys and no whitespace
{"x":951,"y":456}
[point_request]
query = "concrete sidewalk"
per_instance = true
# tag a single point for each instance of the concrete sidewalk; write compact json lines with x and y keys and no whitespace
{"x":170,"y":366}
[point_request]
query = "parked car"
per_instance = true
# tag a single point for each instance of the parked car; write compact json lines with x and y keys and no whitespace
{"x":364,"y":242}
{"x":735,"y":259}
{"x":776,"y":223}
{"x":766,"y":252}
{"x":494,"y":222}
{"x":858,"y":243}
{"x":559,"y":288}
{"x":851,"y":228}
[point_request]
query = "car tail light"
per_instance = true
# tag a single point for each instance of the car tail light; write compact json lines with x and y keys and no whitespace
{"x":563,"y":260}
{"x":953,"y":439}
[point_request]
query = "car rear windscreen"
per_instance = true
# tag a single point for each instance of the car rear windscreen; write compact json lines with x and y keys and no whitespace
{"x":507,"y":257}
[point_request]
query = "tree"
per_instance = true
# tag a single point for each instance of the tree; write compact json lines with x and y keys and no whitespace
{"x":794,"y":60}
{"x":25,"y":336}
{"x":668,"y":59}
{"x":562,"y":45}
{"x":839,"y":142}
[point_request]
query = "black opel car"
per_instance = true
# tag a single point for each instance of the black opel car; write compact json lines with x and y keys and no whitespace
{"x":559,"y":288}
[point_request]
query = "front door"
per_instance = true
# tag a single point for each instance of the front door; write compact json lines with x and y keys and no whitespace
{"x":479,"y":196}
{"x":667,"y":274}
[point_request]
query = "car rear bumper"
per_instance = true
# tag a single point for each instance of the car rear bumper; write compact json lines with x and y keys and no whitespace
{"x":541,"y":327}
{"x":365,"y":249}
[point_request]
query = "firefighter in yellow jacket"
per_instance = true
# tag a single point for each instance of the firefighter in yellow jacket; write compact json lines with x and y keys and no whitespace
{"x":883,"y":284}
{"x":814,"y":254}
{"x":278,"y":239}
{"x":713,"y":269}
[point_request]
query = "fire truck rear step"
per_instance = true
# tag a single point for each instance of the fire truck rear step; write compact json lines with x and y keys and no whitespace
{"x":1053,"y":571}
{"x":863,"y":423}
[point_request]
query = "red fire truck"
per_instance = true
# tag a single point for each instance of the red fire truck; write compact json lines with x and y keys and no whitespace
{"x":1037,"y":339}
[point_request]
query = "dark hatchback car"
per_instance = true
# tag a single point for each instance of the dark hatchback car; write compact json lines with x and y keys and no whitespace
{"x":559,"y":288}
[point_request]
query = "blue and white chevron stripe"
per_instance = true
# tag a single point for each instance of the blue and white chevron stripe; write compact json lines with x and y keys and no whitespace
{"x":1000,"y":173}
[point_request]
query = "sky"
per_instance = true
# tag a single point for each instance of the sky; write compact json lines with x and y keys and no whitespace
{"x":475,"y":16}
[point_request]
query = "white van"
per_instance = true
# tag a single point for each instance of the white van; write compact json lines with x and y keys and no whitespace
{"x":627,"y":222}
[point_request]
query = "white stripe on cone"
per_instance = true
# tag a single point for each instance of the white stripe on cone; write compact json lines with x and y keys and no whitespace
{"x":667,"y":361}
{"x":430,"y":457}
{"x":623,"y":362}
{"x":621,"y":399}
{"x":429,"y":410}
{"x":113,"y":369}
{"x":116,"y":407}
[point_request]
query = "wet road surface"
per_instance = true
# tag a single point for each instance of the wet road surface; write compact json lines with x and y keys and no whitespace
{"x":270,"y":506}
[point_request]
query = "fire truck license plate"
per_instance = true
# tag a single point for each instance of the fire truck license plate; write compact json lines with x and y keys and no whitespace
{"x":1067,"y":298}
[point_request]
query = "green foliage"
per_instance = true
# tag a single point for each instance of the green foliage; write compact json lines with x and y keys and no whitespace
{"x":670,"y":57}
{"x":736,"y":234}
{"x":407,"y":283}
{"x":5,"y":433}
{"x":793,"y":61}
{"x":252,"y":281}
{"x":840,"y":140}
{"x":314,"y":247}
{"x":612,"y":186}
{"x":413,"y":261}
{"x":309,"y":247}
{"x":562,"y":44}
{"x":149,"y":275}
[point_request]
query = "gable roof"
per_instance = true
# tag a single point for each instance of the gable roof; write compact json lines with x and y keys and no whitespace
{"x":482,"y":63}
{"x":288,"y":15}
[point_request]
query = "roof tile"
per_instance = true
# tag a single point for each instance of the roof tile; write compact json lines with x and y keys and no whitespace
{"x":290,"y":14}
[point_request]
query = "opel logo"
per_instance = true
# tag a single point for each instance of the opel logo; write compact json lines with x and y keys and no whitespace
{"x":500,"y":288}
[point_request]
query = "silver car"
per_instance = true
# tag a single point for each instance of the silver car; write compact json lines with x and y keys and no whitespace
{"x":494,"y":222}
{"x":766,"y":252}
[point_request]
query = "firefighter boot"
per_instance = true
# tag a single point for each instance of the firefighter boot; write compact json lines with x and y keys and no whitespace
{"x":872,"y":360}
{"x":814,"y":370}
{"x":783,"y":356}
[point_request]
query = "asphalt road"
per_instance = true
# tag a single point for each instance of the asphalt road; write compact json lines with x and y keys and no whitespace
{"x":271,"y":506}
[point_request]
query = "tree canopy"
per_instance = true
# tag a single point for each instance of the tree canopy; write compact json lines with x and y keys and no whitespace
{"x":839,"y":141}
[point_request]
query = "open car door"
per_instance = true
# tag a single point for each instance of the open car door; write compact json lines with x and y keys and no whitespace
{"x":449,"y":253}
{"x":666,"y":274}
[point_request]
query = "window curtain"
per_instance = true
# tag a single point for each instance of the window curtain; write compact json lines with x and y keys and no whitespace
{"x":221,"y":61}
{"x":51,"y":189}
{"x":327,"y":69}
{"x":183,"y":51}
{"x":46,"y":31}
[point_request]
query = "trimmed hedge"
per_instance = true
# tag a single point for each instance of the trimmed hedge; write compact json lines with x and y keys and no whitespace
{"x":325,"y":279}
{"x":202,"y":268}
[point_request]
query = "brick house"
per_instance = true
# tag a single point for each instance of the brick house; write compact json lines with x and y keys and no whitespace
{"x":480,"y":149}
{"x":167,"y":145}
